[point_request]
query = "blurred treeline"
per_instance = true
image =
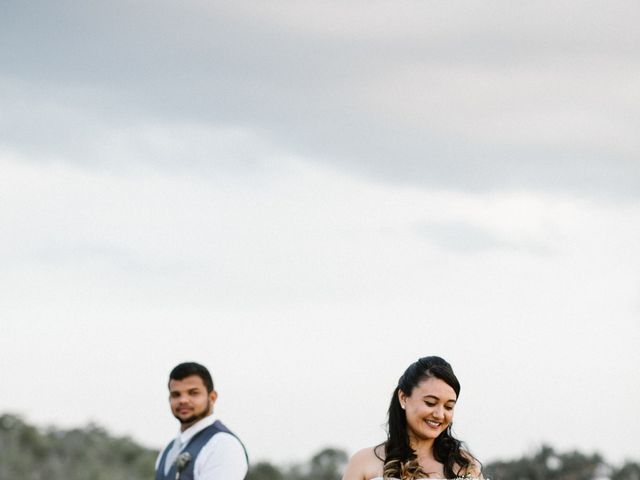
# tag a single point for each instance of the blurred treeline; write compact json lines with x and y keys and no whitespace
{"x":90,"y":453}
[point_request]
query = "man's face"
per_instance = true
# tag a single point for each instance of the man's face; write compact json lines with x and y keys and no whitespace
{"x":190,"y":400}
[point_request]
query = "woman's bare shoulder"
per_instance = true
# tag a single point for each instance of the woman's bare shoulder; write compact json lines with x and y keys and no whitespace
{"x":371,"y":453}
{"x":364,"y":464}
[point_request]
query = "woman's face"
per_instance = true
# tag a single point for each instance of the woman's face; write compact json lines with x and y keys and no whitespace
{"x":429,"y":408}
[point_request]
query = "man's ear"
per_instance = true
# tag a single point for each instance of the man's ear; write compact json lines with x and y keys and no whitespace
{"x":213,"y":395}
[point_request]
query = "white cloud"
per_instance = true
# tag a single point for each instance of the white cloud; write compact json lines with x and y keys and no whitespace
{"x":311,"y":290}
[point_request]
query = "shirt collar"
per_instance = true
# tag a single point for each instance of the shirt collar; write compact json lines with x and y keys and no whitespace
{"x":184,"y":437}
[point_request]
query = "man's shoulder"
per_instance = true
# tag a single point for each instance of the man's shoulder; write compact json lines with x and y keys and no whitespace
{"x":226,"y":438}
{"x":222,"y":438}
{"x":224,"y":448}
{"x":217,"y":429}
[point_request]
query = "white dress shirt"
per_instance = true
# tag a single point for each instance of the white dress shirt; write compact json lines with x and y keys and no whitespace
{"x":221,"y":458}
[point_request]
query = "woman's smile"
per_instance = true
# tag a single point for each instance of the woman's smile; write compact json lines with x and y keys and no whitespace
{"x":433,"y":423}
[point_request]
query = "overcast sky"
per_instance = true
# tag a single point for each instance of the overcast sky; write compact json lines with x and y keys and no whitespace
{"x":307,"y":197}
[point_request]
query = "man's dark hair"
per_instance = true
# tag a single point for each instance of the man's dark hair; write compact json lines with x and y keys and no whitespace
{"x":187,"y":369}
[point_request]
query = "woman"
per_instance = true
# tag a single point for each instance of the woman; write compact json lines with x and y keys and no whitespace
{"x":419,"y":442}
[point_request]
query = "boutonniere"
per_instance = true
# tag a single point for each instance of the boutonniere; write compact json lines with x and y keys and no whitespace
{"x":181,"y":462}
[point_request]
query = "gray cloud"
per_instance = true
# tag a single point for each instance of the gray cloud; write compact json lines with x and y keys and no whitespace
{"x":451,"y":95}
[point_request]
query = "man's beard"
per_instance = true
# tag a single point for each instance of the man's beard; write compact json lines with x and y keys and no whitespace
{"x":194,"y":418}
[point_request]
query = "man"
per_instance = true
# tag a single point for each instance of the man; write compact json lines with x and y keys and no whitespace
{"x":204,"y":448}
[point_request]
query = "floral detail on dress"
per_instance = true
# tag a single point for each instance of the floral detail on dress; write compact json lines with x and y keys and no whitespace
{"x":411,"y":470}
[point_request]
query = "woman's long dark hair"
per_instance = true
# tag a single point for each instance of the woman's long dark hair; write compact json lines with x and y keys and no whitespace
{"x":400,"y":459}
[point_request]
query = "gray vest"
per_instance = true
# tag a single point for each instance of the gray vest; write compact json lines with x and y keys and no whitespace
{"x":194,"y":446}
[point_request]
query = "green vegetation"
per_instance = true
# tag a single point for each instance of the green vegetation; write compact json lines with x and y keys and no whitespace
{"x":324,"y":465}
{"x":90,"y":453}
{"x":79,"y":454}
{"x":546,"y":464}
